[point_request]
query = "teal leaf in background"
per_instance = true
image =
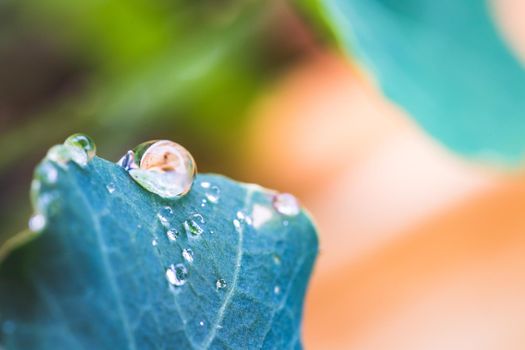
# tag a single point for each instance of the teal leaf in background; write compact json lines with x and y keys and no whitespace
{"x":117,"y":267}
{"x":445,"y":63}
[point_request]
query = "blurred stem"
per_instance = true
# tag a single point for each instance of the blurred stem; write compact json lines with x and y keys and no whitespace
{"x":16,"y":241}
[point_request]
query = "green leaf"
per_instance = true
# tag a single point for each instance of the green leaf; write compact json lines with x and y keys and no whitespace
{"x":445,"y":63}
{"x":95,"y":277}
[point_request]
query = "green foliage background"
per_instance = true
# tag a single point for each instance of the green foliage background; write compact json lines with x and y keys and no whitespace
{"x":125,"y":71}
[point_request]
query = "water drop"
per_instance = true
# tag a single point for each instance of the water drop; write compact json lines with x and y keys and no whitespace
{"x":203,"y":203}
{"x":237,"y":224}
{"x":220,"y":284}
{"x":276,"y":259}
{"x":277,"y":290}
{"x":62,"y":154}
{"x":48,"y":173}
{"x":177,"y":274}
{"x":128,"y":161}
{"x":154,"y":242}
{"x":261,"y":215}
{"x":162,"y":167}
{"x":165,"y":216}
{"x":212,"y":193}
{"x":286,"y":204}
{"x":244,"y":218}
{"x":240,"y":220}
{"x":37,"y":222}
{"x":187,"y":254}
{"x":172,"y":235}
{"x":193,"y":225}
{"x":110,"y":187}
{"x":84,"y":143}
{"x":201,"y":323}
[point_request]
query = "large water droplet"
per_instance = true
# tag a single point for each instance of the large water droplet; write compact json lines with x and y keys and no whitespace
{"x":162,"y":167}
{"x":177,"y":274}
{"x":37,"y":222}
{"x":220,"y":284}
{"x":286,"y":204}
{"x":212,"y":193}
{"x":193,"y":225}
{"x":187,"y":254}
{"x":83,"y":142}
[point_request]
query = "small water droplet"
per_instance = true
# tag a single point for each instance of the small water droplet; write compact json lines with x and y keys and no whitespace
{"x":220,"y":284}
{"x":213,"y":193}
{"x":244,"y":218}
{"x":62,"y":154}
{"x":201,"y":323}
{"x":205,"y":184}
{"x":172,"y":235}
{"x":162,"y":167}
{"x":193,"y":225}
{"x":165,"y":216}
{"x":48,"y":173}
{"x":177,"y":274}
{"x":110,"y":187}
{"x":37,"y":222}
{"x":277,"y":290}
{"x":276,"y":259}
{"x":83,"y":142}
{"x":286,"y":204}
{"x":203,"y":203}
{"x":237,"y":224}
{"x":128,"y":161}
{"x":241,"y":219}
{"x":187,"y":254}
{"x":154,"y":242}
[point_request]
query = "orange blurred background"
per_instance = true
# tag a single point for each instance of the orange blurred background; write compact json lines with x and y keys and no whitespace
{"x":420,"y":248}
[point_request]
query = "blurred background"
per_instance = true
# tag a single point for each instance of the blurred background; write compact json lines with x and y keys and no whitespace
{"x":422,"y":243}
